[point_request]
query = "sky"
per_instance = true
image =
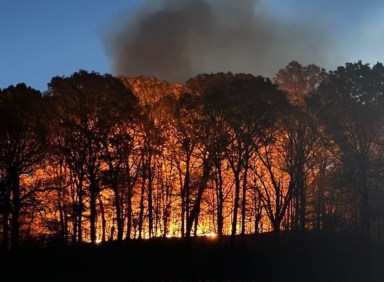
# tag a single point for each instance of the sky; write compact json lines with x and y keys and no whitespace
{"x":177,"y":39}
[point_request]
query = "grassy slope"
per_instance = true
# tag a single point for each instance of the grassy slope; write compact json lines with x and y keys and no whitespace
{"x":305,"y":257}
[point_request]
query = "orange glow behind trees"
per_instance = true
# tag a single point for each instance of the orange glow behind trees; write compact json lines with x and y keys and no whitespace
{"x":223,"y":155}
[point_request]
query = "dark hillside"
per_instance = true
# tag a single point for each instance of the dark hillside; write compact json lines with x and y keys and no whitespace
{"x":306,"y":257}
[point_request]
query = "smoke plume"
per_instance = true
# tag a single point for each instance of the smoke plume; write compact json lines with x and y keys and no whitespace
{"x":177,"y":39}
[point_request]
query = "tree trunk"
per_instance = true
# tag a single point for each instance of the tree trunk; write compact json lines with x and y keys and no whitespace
{"x":92,"y":203}
{"x":220,"y":202}
{"x":167,"y":209}
{"x":15,"y":224}
{"x":165,"y":224}
{"x":276,"y":228}
{"x":182,"y":216}
{"x":257,"y":200}
{"x":320,"y":201}
{"x":196,"y":207}
{"x":80,"y":212}
{"x":236,"y":203}
{"x":364,"y":210}
{"x":365,"y":220}
{"x":6,"y":207}
{"x":185,"y":190}
{"x":62,"y":219}
{"x":103,"y":221}
{"x":119,"y":217}
{"x":150,"y":199}
{"x":303,"y":202}
{"x":60,"y":203}
{"x":129,"y":214}
{"x":141,"y":212}
{"x":196,"y":224}
{"x":297,"y":208}
{"x":244,"y":198}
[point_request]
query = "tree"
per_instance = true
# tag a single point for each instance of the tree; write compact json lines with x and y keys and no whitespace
{"x":186,"y":114}
{"x":350,"y":105}
{"x":273,"y":184}
{"x":119,"y":176}
{"x":299,"y":81}
{"x":195,"y":146}
{"x":249,"y":106}
{"x":157,"y":99}
{"x":89,"y":108}
{"x":22,"y":143}
{"x":301,"y":146}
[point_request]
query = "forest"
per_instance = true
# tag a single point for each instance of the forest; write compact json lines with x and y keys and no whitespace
{"x":98,"y":158}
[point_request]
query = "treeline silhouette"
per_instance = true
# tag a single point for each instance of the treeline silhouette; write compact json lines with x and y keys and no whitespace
{"x":98,"y":158}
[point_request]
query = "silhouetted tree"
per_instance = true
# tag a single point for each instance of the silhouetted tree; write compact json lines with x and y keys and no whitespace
{"x":298,"y":82}
{"x":249,"y":106}
{"x":300,"y":151}
{"x":118,"y":154}
{"x":350,"y":104}
{"x":156,"y":98}
{"x":22,"y":143}
{"x":89,"y":108}
{"x":195,"y":137}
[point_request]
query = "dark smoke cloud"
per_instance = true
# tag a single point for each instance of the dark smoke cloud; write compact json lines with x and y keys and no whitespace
{"x":177,"y":39}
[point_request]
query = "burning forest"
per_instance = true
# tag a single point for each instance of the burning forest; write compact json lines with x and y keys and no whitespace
{"x":98,"y":158}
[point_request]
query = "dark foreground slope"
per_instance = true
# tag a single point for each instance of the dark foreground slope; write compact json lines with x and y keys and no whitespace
{"x":305,"y":257}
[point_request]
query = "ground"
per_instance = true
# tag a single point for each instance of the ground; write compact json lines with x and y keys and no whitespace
{"x":294,"y":257}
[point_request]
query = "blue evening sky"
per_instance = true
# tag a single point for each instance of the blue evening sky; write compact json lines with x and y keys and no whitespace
{"x":40,"y":39}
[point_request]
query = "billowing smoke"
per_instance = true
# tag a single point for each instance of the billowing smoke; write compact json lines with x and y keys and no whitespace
{"x":177,"y":39}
